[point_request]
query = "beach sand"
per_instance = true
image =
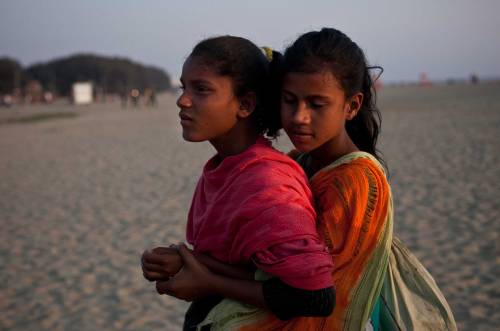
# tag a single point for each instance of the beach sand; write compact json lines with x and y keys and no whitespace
{"x":81,"y":198}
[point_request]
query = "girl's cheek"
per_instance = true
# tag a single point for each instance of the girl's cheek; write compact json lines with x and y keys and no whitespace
{"x":285,"y":111}
{"x":284,"y":118}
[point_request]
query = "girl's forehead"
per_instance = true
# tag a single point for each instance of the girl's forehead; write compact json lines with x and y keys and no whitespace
{"x":312,"y":80}
{"x":195,"y":70}
{"x":197,"y":64}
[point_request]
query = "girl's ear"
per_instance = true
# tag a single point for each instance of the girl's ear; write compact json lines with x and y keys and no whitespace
{"x":353,"y":105}
{"x":248,"y":102}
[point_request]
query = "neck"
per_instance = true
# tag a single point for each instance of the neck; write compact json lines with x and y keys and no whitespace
{"x":330,"y":152}
{"x":236,"y":141}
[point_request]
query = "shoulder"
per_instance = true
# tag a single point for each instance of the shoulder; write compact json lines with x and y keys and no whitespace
{"x":270,"y":175}
{"x":362,"y":168}
{"x":267,"y":162}
{"x":353,"y":166}
{"x":359,"y":177}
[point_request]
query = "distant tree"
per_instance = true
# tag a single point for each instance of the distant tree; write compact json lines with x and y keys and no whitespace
{"x":11,"y":75}
{"x":109,"y":74}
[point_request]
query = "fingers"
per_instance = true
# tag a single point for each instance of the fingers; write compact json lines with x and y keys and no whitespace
{"x":154,"y":276}
{"x":160,"y":287}
{"x":186,"y":254}
{"x":150,"y":257}
{"x":165,"y":250}
{"x":165,"y":287}
{"x":151,"y":271}
{"x":152,"y":267}
{"x":178,"y":289}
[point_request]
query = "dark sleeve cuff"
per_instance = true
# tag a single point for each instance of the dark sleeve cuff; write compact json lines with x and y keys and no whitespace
{"x":287,"y":302}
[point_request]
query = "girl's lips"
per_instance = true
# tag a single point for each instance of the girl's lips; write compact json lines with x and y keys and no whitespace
{"x":300,"y":136}
{"x":185,"y":119}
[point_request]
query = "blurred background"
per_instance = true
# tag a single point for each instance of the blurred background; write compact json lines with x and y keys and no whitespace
{"x":94,"y":170}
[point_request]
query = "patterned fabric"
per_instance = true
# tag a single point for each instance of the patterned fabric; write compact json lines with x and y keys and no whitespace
{"x":354,"y":207}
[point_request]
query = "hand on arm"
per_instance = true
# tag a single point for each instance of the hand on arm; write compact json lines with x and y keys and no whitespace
{"x":160,"y":263}
{"x":198,"y":278}
{"x":195,"y":280}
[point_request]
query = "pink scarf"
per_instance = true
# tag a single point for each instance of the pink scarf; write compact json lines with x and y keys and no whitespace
{"x":253,"y":202}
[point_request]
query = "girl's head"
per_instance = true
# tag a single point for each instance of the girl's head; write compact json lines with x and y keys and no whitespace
{"x":226,"y":82}
{"x":328,"y":93}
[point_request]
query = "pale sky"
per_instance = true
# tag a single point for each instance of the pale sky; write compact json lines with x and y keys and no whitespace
{"x":445,"y":38}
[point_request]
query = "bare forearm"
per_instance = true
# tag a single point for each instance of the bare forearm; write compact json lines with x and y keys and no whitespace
{"x":224,"y":269}
{"x":247,"y":291}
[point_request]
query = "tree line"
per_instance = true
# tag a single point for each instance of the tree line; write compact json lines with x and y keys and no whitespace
{"x":110,"y":75}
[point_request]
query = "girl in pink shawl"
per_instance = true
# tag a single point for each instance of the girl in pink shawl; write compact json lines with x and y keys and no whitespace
{"x":252,"y":206}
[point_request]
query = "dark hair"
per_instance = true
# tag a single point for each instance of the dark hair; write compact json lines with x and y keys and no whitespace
{"x":331,"y":49}
{"x":251,"y":71}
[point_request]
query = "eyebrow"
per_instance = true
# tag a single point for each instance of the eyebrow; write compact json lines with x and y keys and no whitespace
{"x":312,"y":96}
{"x":198,"y":81}
{"x":317,"y":96}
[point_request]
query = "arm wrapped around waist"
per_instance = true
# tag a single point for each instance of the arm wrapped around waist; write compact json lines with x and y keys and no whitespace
{"x":287,"y":302}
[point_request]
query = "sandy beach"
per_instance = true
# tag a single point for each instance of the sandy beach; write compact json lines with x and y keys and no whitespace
{"x":82,"y":195}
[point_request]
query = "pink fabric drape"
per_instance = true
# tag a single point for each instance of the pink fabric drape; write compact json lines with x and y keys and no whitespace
{"x":257,"y":207}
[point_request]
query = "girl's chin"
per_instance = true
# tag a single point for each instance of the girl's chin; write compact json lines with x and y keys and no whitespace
{"x":302,"y":149}
{"x":188,"y":136}
{"x":302,"y":146}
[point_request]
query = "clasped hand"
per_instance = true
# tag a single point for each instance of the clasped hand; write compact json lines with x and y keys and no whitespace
{"x":176,"y":272}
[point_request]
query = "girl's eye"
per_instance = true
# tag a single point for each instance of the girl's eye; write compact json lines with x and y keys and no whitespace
{"x":287,"y":99}
{"x":316,"y":105}
{"x":202,"y":89}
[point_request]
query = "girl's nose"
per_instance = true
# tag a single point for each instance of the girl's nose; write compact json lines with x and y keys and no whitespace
{"x":184,"y":101}
{"x":301,"y":114}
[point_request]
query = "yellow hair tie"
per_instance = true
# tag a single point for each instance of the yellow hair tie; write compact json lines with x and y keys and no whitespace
{"x":268,"y":52}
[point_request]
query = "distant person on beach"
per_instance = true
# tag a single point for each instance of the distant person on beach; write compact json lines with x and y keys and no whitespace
{"x":123,"y":98}
{"x":328,"y":110}
{"x":252,"y":207}
{"x":150,"y":97}
{"x":135,"y":94}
